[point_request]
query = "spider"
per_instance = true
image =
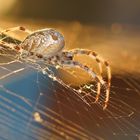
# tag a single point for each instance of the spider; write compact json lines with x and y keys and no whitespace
{"x":47,"y":45}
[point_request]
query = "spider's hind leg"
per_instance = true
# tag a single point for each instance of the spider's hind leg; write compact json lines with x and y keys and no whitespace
{"x":62,"y":61}
{"x":71,"y":54}
{"x":99,"y":61}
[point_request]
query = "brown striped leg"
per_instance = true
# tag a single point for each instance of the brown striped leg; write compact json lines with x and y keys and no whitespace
{"x":62,"y":61}
{"x":18,"y":28}
{"x":70,"y":55}
{"x":7,"y":45}
{"x":100,"y":62}
{"x":14,"y":47}
{"x":71,"y":63}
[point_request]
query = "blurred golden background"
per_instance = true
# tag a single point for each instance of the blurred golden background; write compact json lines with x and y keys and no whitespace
{"x":97,"y":11}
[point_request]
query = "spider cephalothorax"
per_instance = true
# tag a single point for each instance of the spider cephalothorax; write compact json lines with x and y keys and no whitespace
{"x":47,"y":45}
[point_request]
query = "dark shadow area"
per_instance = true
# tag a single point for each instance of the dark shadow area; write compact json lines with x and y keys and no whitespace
{"x":126,"y":11}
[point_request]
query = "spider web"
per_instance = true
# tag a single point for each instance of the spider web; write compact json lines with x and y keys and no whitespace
{"x":37,"y":106}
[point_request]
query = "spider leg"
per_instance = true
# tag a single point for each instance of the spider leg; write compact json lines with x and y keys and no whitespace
{"x":63,"y":62}
{"x":70,"y":55}
{"x":4,"y":44}
{"x":5,"y":48}
{"x":9,"y":46}
{"x":18,"y":28}
{"x":12,"y":46}
{"x":99,"y":61}
{"x":84,"y":67}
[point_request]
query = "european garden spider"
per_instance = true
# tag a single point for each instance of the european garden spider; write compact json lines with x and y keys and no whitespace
{"x":47,"y":45}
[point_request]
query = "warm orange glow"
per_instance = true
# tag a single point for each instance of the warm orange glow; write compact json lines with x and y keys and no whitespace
{"x":5,"y":6}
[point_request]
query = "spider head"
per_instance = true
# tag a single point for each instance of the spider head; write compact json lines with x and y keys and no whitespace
{"x":46,"y":42}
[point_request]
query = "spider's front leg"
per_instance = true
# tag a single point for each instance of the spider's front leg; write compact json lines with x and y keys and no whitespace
{"x":12,"y":46}
{"x":6,"y":50}
{"x":5,"y":45}
{"x":18,"y":28}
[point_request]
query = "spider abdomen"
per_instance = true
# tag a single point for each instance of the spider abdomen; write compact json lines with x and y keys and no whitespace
{"x":46,"y":42}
